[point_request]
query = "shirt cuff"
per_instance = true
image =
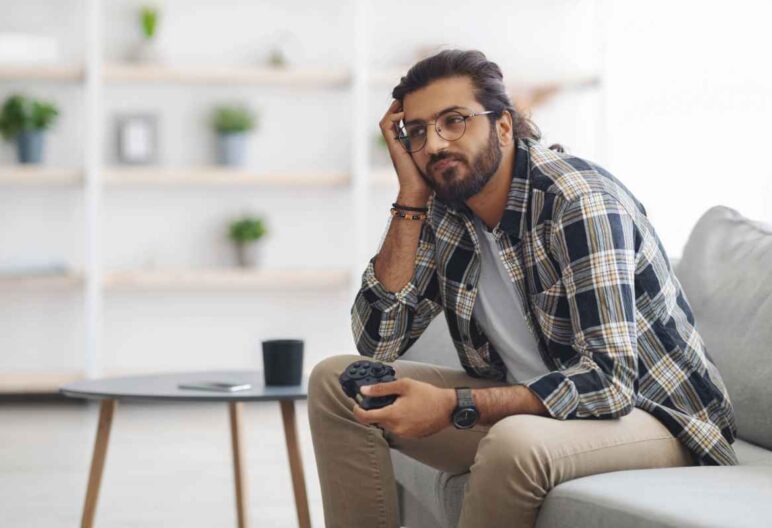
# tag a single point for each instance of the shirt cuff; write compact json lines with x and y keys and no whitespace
{"x":382,"y":299}
{"x":557,"y":392}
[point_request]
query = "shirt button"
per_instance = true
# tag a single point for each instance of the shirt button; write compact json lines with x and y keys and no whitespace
{"x":470,"y":286}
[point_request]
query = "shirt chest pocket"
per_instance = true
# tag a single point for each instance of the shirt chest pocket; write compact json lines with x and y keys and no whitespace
{"x":550,"y":307}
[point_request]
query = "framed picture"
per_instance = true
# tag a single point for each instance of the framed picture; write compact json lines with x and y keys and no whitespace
{"x":137,"y":139}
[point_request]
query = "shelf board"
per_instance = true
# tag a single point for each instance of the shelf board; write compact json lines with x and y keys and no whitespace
{"x":53,"y":281}
{"x":36,"y":382}
{"x":383,"y":177}
{"x":213,"y":74}
{"x":28,"y":175}
{"x":218,"y":176}
{"x":235,"y":279}
{"x":41,"y":72}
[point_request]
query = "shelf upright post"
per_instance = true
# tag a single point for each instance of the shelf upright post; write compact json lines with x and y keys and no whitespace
{"x":93,"y":294}
{"x":361,"y":130}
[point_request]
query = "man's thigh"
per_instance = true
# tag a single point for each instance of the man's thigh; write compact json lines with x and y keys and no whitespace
{"x":567,"y":449}
{"x":452,"y":450}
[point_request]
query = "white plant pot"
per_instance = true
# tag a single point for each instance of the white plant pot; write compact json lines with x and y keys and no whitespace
{"x":147,"y":51}
{"x":250,"y":254}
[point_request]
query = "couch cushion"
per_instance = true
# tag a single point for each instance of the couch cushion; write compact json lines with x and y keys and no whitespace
{"x":736,"y":496}
{"x":726,"y":273}
{"x":441,"y":494}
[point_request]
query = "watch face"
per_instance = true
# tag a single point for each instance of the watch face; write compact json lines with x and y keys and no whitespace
{"x":465,"y":418}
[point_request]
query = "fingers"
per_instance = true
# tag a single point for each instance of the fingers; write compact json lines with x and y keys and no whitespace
{"x":372,"y":416}
{"x":393,"y":115}
{"x":385,"y":389}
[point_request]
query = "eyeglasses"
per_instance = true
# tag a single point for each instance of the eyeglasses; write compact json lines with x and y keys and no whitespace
{"x":450,"y":126}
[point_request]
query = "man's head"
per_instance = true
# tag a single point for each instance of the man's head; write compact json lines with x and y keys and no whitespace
{"x":450,"y":88}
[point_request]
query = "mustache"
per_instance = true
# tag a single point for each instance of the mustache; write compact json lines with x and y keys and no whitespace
{"x":436,"y":158}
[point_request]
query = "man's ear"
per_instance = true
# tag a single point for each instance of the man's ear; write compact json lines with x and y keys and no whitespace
{"x":504,"y":128}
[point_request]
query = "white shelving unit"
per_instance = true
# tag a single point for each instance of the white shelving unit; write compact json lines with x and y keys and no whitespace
{"x":95,"y":179}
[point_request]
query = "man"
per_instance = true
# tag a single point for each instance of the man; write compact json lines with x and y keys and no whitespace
{"x":574,"y":335}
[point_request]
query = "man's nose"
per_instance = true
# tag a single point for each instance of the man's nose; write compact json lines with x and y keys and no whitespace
{"x":434,"y":142}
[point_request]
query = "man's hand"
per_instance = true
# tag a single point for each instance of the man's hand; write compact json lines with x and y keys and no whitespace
{"x":413,"y":189}
{"x":421,"y":409}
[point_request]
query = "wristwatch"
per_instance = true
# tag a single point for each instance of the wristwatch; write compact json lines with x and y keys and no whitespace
{"x":465,"y":415}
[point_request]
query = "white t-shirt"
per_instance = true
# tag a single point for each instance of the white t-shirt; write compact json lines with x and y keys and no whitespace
{"x":498,"y":312}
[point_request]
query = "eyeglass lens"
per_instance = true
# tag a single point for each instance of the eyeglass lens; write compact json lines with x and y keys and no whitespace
{"x":450,"y":127}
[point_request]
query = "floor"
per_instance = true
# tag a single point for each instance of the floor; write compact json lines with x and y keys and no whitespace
{"x":167,"y":465}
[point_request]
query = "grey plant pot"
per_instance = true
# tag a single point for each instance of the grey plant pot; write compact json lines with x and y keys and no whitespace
{"x":29,"y":146}
{"x":232,"y":148}
{"x":249,"y":254}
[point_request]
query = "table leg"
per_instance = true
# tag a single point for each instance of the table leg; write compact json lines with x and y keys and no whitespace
{"x":106,"y":410}
{"x":296,"y":463}
{"x":235,"y":411}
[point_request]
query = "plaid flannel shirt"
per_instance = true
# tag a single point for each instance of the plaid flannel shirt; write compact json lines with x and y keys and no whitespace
{"x":599,"y":295}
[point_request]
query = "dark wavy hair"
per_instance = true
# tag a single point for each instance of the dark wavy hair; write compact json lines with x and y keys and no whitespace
{"x":486,"y":76}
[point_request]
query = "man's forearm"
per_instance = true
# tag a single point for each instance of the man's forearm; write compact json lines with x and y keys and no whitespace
{"x":395,"y":263}
{"x":495,"y":403}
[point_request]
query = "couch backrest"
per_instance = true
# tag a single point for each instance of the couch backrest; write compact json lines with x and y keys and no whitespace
{"x":726,"y":273}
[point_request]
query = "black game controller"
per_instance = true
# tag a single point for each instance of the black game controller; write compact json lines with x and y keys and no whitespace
{"x":364,"y":372}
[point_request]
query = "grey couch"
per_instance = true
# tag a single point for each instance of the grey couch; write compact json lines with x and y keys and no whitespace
{"x":726,"y":272}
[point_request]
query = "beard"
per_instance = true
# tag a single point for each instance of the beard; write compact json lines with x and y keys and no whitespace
{"x":453,"y":189}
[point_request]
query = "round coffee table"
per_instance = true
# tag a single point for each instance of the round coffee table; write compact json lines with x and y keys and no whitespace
{"x":164,"y":387}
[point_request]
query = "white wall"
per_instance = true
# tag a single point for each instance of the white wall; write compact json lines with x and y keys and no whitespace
{"x":681,"y":119}
{"x":689,"y":105}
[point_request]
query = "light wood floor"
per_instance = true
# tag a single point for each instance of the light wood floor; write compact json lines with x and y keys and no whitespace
{"x":168,"y":465}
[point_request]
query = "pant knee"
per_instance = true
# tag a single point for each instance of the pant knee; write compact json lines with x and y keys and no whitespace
{"x":323,"y":381}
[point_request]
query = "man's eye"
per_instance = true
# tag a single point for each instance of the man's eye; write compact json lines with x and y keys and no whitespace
{"x":415,"y":132}
{"x":454,"y":120}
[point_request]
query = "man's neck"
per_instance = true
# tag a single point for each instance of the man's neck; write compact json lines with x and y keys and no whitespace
{"x":490,"y":202}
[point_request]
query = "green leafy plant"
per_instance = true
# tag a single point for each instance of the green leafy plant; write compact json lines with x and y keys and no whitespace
{"x":276,"y":58}
{"x":247,"y":229}
{"x":148,"y":17}
{"x":237,"y":118}
{"x":20,"y":114}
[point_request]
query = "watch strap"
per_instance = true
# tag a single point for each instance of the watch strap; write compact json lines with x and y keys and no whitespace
{"x":464,"y":398}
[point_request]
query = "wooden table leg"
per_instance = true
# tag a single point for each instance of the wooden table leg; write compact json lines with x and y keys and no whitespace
{"x":235,"y":411}
{"x":106,"y":410}
{"x":296,"y":463}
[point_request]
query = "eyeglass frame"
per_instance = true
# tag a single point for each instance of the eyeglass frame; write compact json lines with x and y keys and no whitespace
{"x":426,"y":125}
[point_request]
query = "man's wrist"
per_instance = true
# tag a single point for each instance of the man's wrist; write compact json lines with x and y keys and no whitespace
{"x":450,"y":404}
{"x":412,"y":199}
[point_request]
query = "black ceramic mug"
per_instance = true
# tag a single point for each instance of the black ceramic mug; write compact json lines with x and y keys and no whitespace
{"x":283,"y":361}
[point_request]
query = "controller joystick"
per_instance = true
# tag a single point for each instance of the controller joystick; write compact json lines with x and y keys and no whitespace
{"x":365,"y":372}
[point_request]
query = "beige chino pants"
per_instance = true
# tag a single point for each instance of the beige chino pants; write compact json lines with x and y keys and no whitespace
{"x":513,"y":464}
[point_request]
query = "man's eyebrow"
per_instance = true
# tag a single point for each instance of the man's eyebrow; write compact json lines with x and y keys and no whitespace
{"x":454,"y":107}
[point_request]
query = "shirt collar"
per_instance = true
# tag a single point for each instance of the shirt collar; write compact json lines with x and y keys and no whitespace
{"x":512,"y":220}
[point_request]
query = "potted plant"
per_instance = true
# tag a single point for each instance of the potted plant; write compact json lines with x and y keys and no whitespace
{"x":232,"y":122}
{"x":26,"y":119}
{"x":246,"y":233}
{"x":147,"y":48}
{"x":276,"y":58}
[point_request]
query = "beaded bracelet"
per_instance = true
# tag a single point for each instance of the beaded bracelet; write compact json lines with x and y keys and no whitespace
{"x":408,"y":208}
{"x":406,"y":215}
